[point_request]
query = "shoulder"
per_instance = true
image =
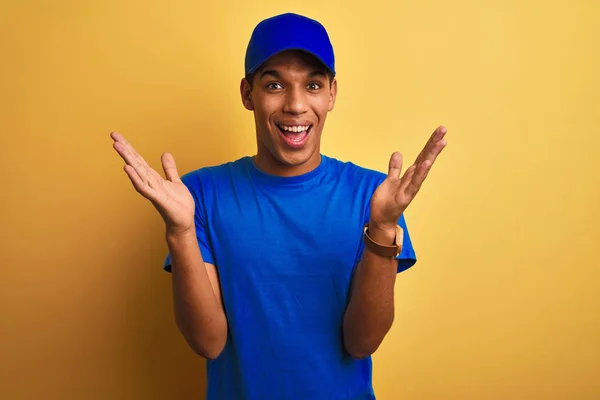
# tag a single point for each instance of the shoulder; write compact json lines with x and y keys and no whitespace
{"x":210,"y":176}
{"x":348,"y":171}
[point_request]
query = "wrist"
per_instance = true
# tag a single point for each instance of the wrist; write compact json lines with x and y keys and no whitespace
{"x":179,"y":235}
{"x":382,"y":233}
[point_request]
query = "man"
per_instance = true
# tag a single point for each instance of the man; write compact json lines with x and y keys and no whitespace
{"x":283,"y":264}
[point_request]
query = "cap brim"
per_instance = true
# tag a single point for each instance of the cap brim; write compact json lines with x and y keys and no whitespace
{"x":261,"y":62}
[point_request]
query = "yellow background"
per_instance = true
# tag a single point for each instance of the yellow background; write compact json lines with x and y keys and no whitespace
{"x":503,"y":303}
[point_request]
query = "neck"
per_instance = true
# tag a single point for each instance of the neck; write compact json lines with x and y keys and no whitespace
{"x":267,"y":163}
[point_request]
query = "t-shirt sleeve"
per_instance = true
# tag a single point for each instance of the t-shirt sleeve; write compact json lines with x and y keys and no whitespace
{"x":407,"y":258}
{"x":194,"y":184}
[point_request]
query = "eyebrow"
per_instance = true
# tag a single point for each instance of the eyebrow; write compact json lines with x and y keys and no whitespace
{"x":271,"y":72}
{"x":317,"y":73}
{"x":277,"y":75}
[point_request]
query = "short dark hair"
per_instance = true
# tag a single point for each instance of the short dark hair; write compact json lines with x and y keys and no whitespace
{"x":250,"y":77}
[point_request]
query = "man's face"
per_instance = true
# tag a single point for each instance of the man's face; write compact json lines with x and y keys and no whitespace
{"x":290,"y":96}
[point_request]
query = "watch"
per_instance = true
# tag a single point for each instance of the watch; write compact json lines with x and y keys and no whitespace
{"x":381,"y":250}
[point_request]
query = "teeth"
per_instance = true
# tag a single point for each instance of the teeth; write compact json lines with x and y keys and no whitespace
{"x":294,"y":128}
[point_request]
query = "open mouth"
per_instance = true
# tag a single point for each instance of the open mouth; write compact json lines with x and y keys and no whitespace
{"x":294,"y":136}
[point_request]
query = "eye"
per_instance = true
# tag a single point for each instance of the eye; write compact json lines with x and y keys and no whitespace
{"x":274,"y":86}
{"x":314,"y":86}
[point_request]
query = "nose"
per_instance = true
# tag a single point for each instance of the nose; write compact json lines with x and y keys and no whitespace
{"x":295,"y":101}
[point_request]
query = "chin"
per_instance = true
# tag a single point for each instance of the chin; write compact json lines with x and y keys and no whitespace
{"x":293,"y":160}
{"x":285,"y":156}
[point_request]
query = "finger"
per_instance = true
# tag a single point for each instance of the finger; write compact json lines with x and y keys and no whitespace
{"x":137,"y":182}
{"x":440,"y":132}
{"x":434,"y":151}
{"x":418,"y":178}
{"x":129,"y":155}
{"x":168,"y":163}
{"x":129,"y":158}
{"x":432,"y":145}
{"x":395,"y":165}
{"x":435,"y":137}
{"x":117,"y":137}
{"x":408,"y":175}
{"x":431,"y":154}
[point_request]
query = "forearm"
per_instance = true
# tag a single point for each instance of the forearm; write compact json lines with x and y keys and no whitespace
{"x":370,"y":312}
{"x":198,"y":313}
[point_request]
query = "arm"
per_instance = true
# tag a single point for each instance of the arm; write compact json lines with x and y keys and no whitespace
{"x":196,"y":293}
{"x":197,"y":297}
{"x":370,"y":311}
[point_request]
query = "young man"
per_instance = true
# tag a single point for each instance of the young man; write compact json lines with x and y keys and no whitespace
{"x":283,"y":264}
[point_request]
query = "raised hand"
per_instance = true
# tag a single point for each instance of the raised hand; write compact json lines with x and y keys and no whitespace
{"x":169,"y":196}
{"x":396,"y":192}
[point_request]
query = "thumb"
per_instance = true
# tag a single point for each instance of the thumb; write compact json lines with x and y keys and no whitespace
{"x":395,"y":166}
{"x":168,"y":163}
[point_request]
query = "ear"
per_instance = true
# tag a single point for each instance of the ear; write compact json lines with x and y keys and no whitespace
{"x":246,"y":93}
{"x":332,"y":94}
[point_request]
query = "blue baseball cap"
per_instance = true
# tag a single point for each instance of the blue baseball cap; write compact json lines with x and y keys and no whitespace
{"x":288,"y":32}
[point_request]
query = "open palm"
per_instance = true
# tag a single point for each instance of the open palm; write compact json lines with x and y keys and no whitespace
{"x":396,"y":192}
{"x":169,"y":196}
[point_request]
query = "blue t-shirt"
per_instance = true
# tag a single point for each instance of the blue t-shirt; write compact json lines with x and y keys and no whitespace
{"x":285,"y":249}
